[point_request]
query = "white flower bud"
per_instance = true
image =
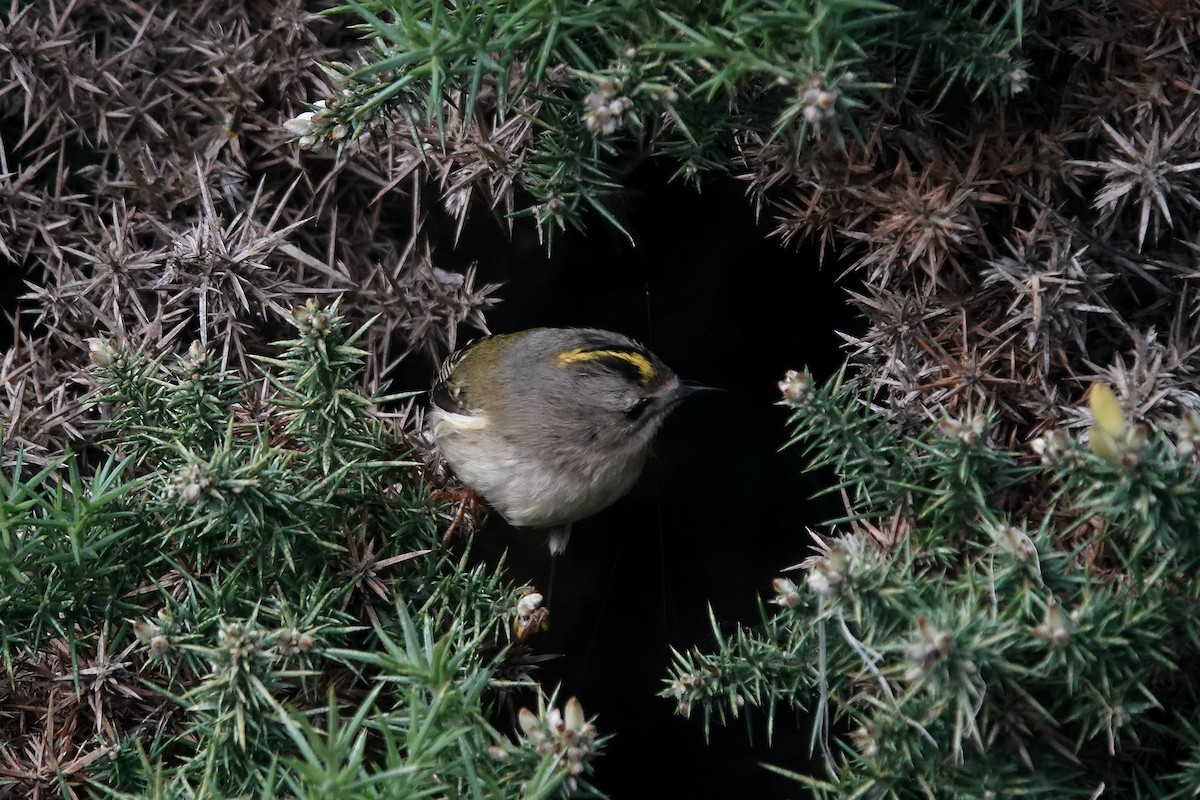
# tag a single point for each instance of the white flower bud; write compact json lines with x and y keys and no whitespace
{"x":192,"y":492}
{"x":785,"y":593}
{"x":1018,"y":81}
{"x":145,"y":631}
{"x":300,"y":125}
{"x":573,"y":714}
{"x":795,"y":386}
{"x":528,"y":604}
{"x":1017,"y":543}
{"x":1056,"y":629}
{"x":102,"y":352}
{"x":820,"y":584}
{"x":866,"y":738}
{"x":197,"y":352}
{"x":529,"y":724}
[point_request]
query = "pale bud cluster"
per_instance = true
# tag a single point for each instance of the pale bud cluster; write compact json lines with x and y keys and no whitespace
{"x":197,"y":354}
{"x":1187,"y":434}
{"x":820,"y":100}
{"x":155,"y":635}
{"x":1055,"y":448}
{"x":1056,"y":628}
{"x":1018,"y":81}
{"x":103,"y":352}
{"x":930,"y":647}
{"x":796,"y":387}
{"x":301,"y":127}
{"x":318,"y":125}
{"x":824,"y":580}
{"x":828,"y":571}
{"x":664,"y":95}
{"x":685,"y":683}
{"x":191,"y":483}
{"x":970,"y":431}
{"x":531,"y":617}
{"x":292,"y":642}
{"x":311,"y":319}
{"x":239,"y":642}
{"x":604,"y":110}
{"x":1017,"y":544}
{"x":565,"y":733}
{"x":691,"y":685}
{"x":192,"y":362}
{"x":786,"y":595}
{"x":866,"y":739}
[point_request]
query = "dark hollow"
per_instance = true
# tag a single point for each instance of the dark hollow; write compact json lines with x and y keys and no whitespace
{"x":720,"y":509}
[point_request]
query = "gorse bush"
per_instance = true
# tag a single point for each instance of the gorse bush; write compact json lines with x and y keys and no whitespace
{"x":247,"y":596}
{"x":236,"y":585}
{"x":542,"y":97}
{"x":146,"y":182}
{"x":960,"y":640}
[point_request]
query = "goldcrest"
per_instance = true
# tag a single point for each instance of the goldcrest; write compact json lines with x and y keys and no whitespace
{"x":551,"y":425}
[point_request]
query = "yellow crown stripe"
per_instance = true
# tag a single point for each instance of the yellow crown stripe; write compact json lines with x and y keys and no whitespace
{"x":638,"y":361}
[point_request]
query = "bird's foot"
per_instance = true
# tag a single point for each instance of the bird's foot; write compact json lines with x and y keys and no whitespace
{"x":558,"y":539}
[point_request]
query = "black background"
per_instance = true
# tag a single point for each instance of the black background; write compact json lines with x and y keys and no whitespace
{"x":719,"y":511}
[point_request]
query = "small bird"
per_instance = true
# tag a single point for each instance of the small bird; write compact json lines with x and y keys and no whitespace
{"x":551,"y":425}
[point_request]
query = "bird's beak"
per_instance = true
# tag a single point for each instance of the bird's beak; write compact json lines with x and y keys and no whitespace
{"x":689,"y":389}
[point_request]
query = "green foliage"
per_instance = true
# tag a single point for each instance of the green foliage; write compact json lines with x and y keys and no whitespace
{"x":949,"y":645}
{"x":679,"y":79}
{"x":251,"y":590}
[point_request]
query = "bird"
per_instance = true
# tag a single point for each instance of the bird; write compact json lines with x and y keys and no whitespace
{"x":551,"y":425}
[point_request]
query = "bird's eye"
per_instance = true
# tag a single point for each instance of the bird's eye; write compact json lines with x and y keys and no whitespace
{"x":636,"y":410}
